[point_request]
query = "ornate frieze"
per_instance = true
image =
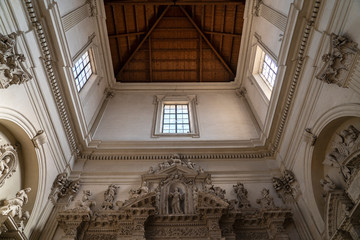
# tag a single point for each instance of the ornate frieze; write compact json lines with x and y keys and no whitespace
{"x":339,"y":62}
{"x":12,"y":70}
{"x":64,"y":189}
{"x":13,"y":209}
{"x":176,"y":199}
{"x":8,"y":162}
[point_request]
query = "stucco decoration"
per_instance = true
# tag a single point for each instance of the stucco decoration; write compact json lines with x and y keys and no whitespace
{"x":12,"y":211}
{"x":176,"y":199}
{"x":339,"y":62}
{"x":8,"y":162}
{"x":63,"y":189}
{"x":12,"y":70}
{"x":328,"y":185}
{"x":266,"y":201}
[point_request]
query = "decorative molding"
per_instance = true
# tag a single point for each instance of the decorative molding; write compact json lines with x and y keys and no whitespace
{"x":277,"y":19}
{"x":76,"y":16}
{"x":13,"y":208}
{"x":299,"y":67}
{"x":84,"y":48}
{"x":12,"y":70}
{"x":8,"y":162}
{"x":339,"y":62}
{"x":256,"y":8}
{"x":55,"y":88}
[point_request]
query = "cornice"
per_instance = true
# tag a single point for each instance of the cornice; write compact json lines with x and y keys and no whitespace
{"x":54,"y":83}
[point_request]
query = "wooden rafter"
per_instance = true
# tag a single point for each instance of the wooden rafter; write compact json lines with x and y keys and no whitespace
{"x":178,"y":3}
{"x":208,"y":42}
{"x":223,"y":33}
{"x":142,"y":41}
{"x":126,"y":34}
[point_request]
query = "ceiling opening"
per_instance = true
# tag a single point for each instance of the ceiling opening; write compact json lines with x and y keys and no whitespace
{"x":178,"y":41}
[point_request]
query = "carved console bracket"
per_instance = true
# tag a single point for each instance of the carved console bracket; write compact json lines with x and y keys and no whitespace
{"x":12,"y":70}
{"x":63,"y":190}
{"x":286,"y":186}
{"x":8,"y":162}
{"x":339,"y":62}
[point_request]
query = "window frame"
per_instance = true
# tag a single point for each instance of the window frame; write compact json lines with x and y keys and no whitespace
{"x":160,"y":101}
{"x":90,"y":52}
{"x":259,"y":52}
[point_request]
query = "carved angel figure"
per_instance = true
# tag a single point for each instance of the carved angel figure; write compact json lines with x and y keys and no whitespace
{"x":266,"y":201}
{"x":109,"y":197}
{"x":327,"y":184}
{"x":241,"y":194}
{"x":4,"y":166}
{"x":13,"y":206}
{"x":86,"y":204}
{"x":176,"y":198}
{"x":140,"y":191}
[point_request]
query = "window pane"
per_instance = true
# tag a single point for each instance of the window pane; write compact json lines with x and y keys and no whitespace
{"x":269,"y":70}
{"x":175,"y":118}
{"x":82,"y":70}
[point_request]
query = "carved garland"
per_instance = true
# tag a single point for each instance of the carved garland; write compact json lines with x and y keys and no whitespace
{"x":8,"y":162}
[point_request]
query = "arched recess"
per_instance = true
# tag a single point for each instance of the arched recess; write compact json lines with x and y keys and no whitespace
{"x":32,"y":162}
{"x":324,"y":128}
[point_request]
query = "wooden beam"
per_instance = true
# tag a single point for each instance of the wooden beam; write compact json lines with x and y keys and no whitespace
{"x":142,"y":41}
{"x":176,"y":3}
{"x":125,"y":23}
{"x":208,"y":42}
{"x":200,"y":59}
{"x":126,"y":34}
{"x":224,"y":34}
{"x":150,"y":61}
{"x":221,"y":29}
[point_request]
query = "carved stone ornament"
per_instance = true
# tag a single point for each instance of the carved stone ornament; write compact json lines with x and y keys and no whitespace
{"x":328,"y":185}
{"x":344,"y":153}
{"x":109,"y":197}
{"x":63,"y":189}
{"x":339,"y":62}
{"x":241,"y":194}
{"x":257,"y":5}
{"x":286,"y":186}
{"x":13,"y":210}
{"x":8,"y":162}
{"x":266,"y":201}
{"x":12,"y":70}
{"x":176,"y":199}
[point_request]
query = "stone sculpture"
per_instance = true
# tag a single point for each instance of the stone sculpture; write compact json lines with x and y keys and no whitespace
{"x":241,"y":194}
{"x":13,"y":206}
{"x":176,"y":197}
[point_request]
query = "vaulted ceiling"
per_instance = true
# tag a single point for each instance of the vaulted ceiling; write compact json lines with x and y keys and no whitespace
{"x":176,"y":41}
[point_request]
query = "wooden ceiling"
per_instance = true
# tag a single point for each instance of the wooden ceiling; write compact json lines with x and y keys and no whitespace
{"x":174,"y":41}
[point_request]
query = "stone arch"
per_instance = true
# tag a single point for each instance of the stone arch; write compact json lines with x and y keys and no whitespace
{"x":32,"y":160}
{"x":324,"y":128}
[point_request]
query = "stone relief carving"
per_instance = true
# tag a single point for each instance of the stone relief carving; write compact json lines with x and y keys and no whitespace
{"x":328,"y":185}
{"x":339,"y":61}
{"x":13,"y":208}
{"x":241,"y":194}
{"x":257,"y":5}
{"x":63,"y":188}
{"x":346,"y":143}
{"x":12,"y":70}
{"x":8,"y":162}
{"x":176,"y":199}
{"x":109,"y":197}
{"x":266,"y":201}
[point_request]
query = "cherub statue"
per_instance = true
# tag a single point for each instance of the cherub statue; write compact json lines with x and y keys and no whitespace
{"x":13,"y":206}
